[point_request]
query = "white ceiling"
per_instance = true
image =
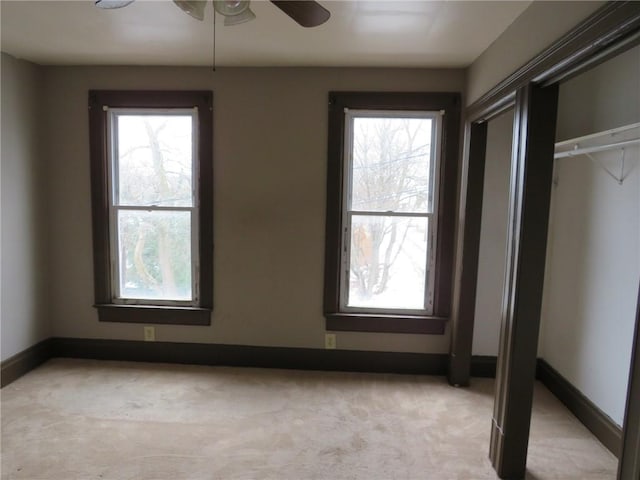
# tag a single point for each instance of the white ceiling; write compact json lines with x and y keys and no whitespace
{"x":156,"y":32}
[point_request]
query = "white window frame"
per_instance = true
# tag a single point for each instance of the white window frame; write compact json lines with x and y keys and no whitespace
{"x":348,"y":212}
{"x":114,"y":208}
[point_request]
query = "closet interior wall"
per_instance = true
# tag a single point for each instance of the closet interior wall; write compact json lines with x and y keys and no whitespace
{"x":593,"y":249}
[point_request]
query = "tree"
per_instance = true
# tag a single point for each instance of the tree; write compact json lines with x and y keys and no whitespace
{"x":154,"y":170}
{"x":391,"y":170}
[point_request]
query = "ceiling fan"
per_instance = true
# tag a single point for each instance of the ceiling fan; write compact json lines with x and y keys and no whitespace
{"x":306,"y":13}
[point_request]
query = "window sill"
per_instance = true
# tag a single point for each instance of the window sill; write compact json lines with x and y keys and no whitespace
{"x":154,"y":314}
{"x":358,"y":322}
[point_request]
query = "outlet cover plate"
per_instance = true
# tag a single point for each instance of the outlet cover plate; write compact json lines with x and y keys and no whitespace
{"x":149,"y":334}
{"x":330,"y":341}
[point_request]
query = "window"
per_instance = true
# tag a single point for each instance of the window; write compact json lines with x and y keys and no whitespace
{"x":390,"y":211}
{"x":151,"y":158}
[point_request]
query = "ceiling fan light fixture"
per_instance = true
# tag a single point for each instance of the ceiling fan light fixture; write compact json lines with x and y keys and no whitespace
{"x":245,"y":16}
{"x":194,"y":8}
{"x":109,"y":4}
{"x":234,"y":11}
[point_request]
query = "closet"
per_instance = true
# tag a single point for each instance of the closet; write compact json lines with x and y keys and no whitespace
{"x":593,"y":248}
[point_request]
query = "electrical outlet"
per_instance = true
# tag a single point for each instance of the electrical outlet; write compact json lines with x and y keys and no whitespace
{"x":330,"y":341}
{"x":149,"y":334}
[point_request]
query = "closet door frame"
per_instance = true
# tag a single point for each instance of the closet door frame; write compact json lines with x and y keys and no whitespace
{"x":609,"y":32}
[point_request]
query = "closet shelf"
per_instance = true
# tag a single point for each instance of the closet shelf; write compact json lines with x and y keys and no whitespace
{"x":615,"y":139}
{"x":598,"y":148}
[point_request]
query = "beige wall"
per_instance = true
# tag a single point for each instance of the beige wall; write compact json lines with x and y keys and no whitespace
{"x":23,"y":318}
{"x":605,"y":97}
{"x":593,"y":256}
{"x":533,"y":31}
{"x":493,"y":235}
{"x":270,"y":134}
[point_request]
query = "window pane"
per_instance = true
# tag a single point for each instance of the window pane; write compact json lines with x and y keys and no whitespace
{"x":388,"y":261}
{"x":155,"y":255}
{"x":154,"y":160}
{"x":392,"y":168}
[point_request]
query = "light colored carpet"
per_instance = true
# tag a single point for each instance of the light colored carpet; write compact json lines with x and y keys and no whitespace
{"x":80,"y":419}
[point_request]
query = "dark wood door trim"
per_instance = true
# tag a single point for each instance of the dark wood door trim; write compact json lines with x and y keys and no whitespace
{"x":466,"y":272}
{"x":629,"y":466}
{"x":529,"y":200}
{"x":609,"y":31}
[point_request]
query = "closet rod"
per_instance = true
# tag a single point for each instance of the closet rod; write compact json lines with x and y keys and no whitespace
{"x":598,"y":148}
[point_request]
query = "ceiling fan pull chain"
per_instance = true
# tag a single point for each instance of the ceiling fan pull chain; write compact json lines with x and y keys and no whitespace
{"x":214,"y":39}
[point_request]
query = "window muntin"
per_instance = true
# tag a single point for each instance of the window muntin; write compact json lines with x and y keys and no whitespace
{"x":153,"y":205}
{"x":389,"y":220}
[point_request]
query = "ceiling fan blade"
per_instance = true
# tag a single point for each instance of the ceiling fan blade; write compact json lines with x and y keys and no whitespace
{"x":108,"y":4}
{"x":305,"y":12}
